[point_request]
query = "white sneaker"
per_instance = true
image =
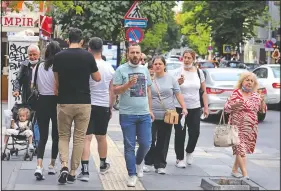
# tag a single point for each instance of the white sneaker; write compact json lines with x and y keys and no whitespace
{"x":189,"y":158}
{"x":30,"y":147}
{"x":51,"y":170}
{"x":180,"y":164}
{"x":161,"y":171}
{"x":147,"y":168}
{"x":132,"y":181}
{"x":39,"y":173}
{"x":140,"y":170}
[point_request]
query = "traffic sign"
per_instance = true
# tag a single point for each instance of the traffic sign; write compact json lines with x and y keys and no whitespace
{"x":268,"y":44}
{"x":210,"y":48}
{"x":135,"y":23}
{"x":134,"y":12}
{"x":134,"y":34}
{"x":226,"y":49}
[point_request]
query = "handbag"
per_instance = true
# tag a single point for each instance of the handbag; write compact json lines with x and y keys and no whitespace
{"x":225,"y":135}
{"x":34,"y":91}
{"x":200,"y":91}
{"x":171,"y":116}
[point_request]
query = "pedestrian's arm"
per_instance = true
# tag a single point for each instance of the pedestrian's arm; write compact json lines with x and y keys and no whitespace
{"x":120,"y":89}
{"x":18,"y":80}
{"x":111,"y":95}
{"x":96,"y":76}
{"x":180,"y":99}
{"x":56,"y":83}
{"x":149,"y":98}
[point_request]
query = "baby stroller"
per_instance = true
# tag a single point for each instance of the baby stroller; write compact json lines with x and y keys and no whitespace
{"x":21,"y":139}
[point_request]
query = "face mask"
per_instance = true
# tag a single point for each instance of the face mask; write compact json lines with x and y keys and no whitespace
{"x":33,"y":62}
{"x":133,"y":65}
{"x":188,"y":66}
{"x":244,"y":89}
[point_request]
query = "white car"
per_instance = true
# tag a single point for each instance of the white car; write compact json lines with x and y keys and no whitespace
{"x":269,"y":77}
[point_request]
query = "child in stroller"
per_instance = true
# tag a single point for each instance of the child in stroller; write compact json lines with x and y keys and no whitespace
{"x":20,"y":130}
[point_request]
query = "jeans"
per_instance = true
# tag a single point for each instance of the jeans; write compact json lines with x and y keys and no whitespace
{"x":161,"y":133}
{"x":192,"y":121}
{"x":132,"y":126}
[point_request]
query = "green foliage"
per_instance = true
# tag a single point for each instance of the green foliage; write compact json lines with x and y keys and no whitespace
{"x":230,"y":21}
{"x":105,"y":19}
{"x":197,"y":34}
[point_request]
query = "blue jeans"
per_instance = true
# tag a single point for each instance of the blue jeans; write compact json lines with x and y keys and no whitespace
{"x":132,"y":126}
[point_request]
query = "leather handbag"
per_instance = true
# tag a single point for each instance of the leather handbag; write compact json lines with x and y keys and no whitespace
{"x":171,"y":116}
{"x":225,"y":135}
{"x":32,"y":100}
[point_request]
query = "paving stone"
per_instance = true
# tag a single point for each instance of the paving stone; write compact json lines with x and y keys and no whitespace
{"x":216,"y":170}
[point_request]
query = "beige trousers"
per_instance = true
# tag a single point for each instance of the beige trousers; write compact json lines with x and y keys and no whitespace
{"x":80,"y":114}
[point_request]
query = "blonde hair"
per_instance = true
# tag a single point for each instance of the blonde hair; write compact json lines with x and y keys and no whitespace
{"x":25,"y":110}
{"x":245,"y":75}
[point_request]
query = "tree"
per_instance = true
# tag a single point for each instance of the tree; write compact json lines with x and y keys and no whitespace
{"x":105,"y":19}
{"x":197,"y":34}
{"x":230,"y":22}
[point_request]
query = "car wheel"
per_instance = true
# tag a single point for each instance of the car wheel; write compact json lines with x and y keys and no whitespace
{"x":261,"y":116}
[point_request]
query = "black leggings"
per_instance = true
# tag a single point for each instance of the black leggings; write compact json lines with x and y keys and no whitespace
{"x":46,"y":110}
{"x":192,"y":121}
{"x":157,"y":155}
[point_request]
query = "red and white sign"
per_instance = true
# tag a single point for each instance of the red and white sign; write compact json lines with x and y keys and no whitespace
{"x":46,"y":25}
{"x":134,"y":12}
{"x":13,"y":21}
{"x":134,"y":34}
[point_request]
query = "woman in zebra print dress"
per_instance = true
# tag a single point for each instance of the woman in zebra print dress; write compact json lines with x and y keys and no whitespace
{"x":243,"y":106}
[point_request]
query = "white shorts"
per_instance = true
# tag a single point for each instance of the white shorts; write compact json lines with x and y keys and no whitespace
{"x":26,"y":133}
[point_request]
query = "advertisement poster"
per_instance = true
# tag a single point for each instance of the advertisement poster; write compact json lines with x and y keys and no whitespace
{"x":110,"y":52}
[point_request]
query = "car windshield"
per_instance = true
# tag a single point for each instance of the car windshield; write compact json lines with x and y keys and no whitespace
{"x":252,"y":66}
{"x":276,"y":71}
{"x":207,"y":64}
{"x":225,"y":76}
{"x":233,"y":64}
{"x":173,"y":65}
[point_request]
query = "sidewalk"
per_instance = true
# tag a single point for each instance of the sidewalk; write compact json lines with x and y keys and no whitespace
{"x":263,"y":167}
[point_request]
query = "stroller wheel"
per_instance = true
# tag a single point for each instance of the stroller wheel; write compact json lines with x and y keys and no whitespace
{"x":30,"y":156}
{"x":17,"y":152}
{"x":25,"y":156}
{"x":8,"y":156}
{"x":3,"y":156}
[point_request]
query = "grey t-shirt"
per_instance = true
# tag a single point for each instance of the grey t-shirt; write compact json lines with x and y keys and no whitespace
{"x":168,"y":87}
{"x":135,"y":100}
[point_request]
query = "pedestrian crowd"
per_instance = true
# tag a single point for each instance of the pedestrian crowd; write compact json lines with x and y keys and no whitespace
{"x":77,"y":88}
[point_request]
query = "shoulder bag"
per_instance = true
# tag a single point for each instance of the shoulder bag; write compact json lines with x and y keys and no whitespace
{"x":225,"y":135}
{"x":171,"y":116}
{"x":34,"y":91}
{"x":200,"y":91}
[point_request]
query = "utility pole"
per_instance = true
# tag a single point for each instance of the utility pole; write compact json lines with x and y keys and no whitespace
{"x":269,"y":29}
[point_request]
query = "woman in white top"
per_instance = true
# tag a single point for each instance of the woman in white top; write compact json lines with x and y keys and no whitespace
{"x":46,"y":108}
{"x":190,"y":83}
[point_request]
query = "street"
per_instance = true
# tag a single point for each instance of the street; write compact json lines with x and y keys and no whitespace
{"x":263,"y":166}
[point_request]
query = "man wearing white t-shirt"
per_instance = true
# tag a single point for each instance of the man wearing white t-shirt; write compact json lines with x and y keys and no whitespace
{"x":102,"y":99}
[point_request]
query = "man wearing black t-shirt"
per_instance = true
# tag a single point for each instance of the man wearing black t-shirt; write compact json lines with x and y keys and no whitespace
{"x":72,"y":69}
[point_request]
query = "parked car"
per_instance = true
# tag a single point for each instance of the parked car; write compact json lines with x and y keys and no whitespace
{"x":251,"y":66}
{"x":207,"y":64}
{"x":232,"y":64}
{"x":269,"y":76}
{"x":220,"y":83}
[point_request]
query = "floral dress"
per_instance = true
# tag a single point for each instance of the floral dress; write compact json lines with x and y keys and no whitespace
{"x":246,"y":119}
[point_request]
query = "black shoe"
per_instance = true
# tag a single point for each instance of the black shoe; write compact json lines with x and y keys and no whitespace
{"x":104,"y":169}
{"x":63,"y":175}
{"x":70,"y":179}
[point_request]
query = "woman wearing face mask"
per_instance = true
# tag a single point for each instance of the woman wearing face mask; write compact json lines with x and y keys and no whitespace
{"x":190,"y":83}
{"x":243,"y":106}
{"x":164,"y":87}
